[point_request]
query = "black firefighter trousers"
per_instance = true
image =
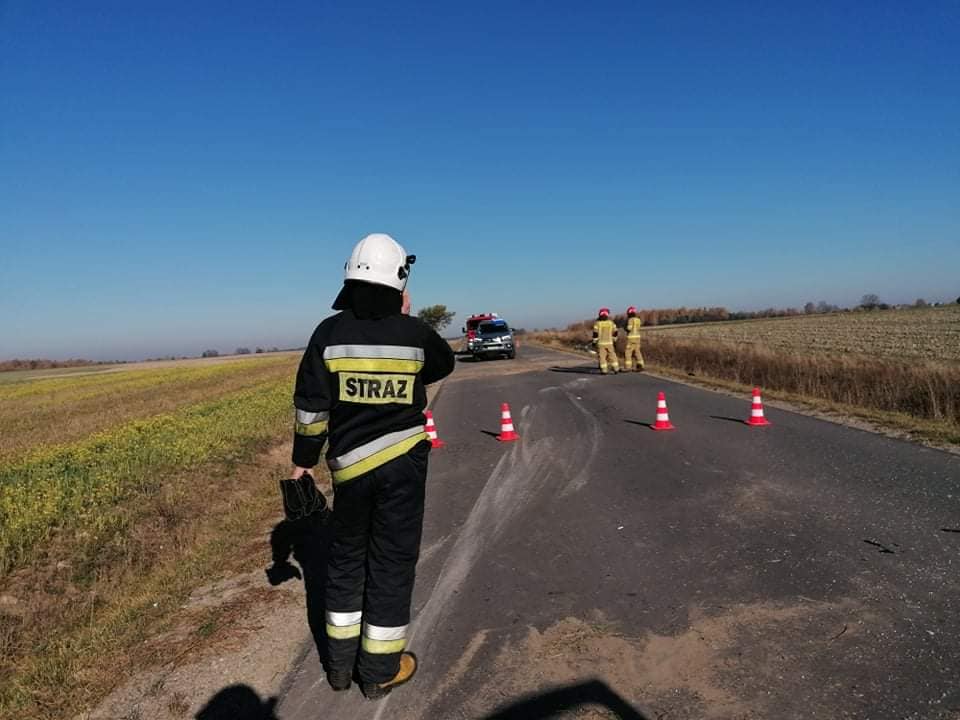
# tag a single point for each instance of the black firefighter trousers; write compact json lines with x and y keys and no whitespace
{"x":376,"y":528}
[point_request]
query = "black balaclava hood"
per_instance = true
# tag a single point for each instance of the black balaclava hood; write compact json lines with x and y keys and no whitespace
{"x":368,"y":301}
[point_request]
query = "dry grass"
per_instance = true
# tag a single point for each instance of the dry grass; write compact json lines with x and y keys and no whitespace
{"x":886,"y":379}
{"x":930,"y":333}
{"x":188,"y":501}
{"x":57,"y":411}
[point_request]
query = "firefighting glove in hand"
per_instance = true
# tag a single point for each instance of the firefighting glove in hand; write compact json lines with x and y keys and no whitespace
{"x":301,"y":498}
{"x":279,"y":573}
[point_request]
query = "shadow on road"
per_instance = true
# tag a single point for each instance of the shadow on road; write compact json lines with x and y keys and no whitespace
{"x":241,"y":702}
{"x":307,"y":540}
{"x":739,"y":421}
{"x":572,"y":697}
{"x":490,"y":433}
{"x":577,"y":370}
{"x":640,"y":423}
{"x":238,"y":702}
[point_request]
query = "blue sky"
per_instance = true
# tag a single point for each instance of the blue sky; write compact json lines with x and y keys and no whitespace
{"x":176,"y":176}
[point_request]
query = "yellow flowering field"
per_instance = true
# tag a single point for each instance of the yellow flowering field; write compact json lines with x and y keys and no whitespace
{"x":75,"y":485}
{"x":113,"y":480}
{"x":68,"y":388}
{"x":62,"y":410}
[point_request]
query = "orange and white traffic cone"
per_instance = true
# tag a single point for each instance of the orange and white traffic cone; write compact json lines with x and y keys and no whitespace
{"x":756,"y":411}
{"x":507,"y":433}
{"x":663,"y":417}
{"x":431,"y":430}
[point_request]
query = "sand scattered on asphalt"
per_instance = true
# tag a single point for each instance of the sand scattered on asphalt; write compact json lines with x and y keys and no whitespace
{"x":722,"y":665}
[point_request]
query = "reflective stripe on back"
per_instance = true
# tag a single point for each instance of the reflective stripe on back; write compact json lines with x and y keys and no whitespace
{"x":605,"y":330}
{"x":373,"y":454}
{"x":397,"y":352}
{"x":373,"y":358}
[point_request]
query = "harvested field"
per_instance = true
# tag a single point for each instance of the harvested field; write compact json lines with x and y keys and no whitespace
{"x":931,"y":333}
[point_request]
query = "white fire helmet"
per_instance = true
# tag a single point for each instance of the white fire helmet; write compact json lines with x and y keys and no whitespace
{"x":379,"y":259}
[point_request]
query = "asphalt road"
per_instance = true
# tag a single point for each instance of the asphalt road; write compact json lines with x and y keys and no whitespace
{"x":599,"y":569}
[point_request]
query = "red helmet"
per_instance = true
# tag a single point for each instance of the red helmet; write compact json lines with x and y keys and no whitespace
{"x":604,"y":312}
{"x":631,"y":310}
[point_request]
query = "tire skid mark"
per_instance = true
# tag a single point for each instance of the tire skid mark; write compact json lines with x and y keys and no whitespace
{"x":517,"y":479}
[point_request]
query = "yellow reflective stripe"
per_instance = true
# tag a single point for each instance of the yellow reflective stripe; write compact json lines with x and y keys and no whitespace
{"x":374,"y":461}
{"x":605,"y":330}
{"x":343,"y":633}
{"x":374,"y":365}
{"x":383,"y":647}
{"x":311,"y":430}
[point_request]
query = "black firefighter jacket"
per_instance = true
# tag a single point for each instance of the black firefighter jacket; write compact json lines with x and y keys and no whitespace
{"x":361,"y":385}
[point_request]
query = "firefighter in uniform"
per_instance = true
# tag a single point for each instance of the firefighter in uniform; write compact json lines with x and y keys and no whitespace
{"x":605,"y":334}
{"x":632,"y":353}
{"x":360,"y":389}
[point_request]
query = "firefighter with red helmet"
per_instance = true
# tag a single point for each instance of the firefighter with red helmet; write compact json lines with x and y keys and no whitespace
{"x":632,"y":354}
{"x":605,"y":334}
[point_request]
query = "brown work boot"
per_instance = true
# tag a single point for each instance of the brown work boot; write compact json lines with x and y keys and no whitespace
{"x":408,"y":668}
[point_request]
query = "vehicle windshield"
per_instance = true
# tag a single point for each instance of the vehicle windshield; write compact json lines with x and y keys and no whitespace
{"x":493,"y":328}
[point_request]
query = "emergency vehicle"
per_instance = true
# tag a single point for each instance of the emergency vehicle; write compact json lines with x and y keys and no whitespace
{"x":470,"y":330}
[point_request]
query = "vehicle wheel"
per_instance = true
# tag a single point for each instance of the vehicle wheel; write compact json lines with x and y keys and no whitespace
{"x":512,"y":355}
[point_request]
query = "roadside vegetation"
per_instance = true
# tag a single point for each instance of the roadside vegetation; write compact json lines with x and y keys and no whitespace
{"x":119,"y":494}
{"x":896,"y":367}
{"x":57,"y":410}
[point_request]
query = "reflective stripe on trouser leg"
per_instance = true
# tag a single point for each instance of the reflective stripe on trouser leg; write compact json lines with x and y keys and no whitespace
{"x":346,"y":571}
{"x":391,"y":562}
{"x":343,"y":625}
{"x":379,"y":640}
{"x":631,"y":355}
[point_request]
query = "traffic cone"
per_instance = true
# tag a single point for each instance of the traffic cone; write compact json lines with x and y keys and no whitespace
{"x":756,"y":411}
{"x":507,"y":433}
{"x":431,"y":430}
{"x":663,"y":417}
